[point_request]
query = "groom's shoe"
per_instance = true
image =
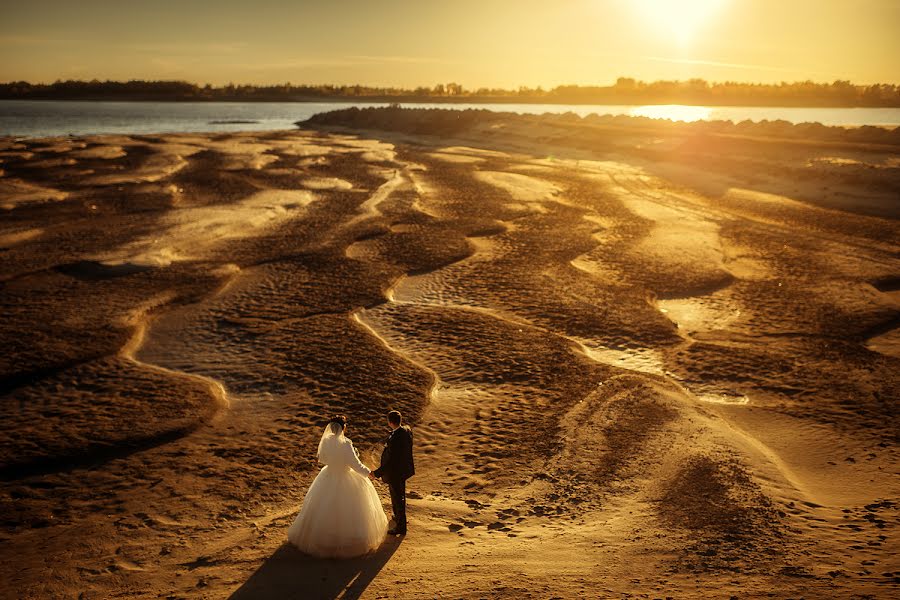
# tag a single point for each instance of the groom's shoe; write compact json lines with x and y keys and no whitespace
{"x":397,"y":531}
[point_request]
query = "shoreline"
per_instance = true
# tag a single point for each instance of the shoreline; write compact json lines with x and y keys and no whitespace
{"x":39,"y":119}
{"x":443,"y":101}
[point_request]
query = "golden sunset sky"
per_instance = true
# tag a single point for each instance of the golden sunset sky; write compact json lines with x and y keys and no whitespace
{"x":494,"y":43}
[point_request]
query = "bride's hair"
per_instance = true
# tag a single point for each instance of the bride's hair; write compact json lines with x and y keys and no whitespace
{"x":336,"y":424}
{"x":332,"y":439}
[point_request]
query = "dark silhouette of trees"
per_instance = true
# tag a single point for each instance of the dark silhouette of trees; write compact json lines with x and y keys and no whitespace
{"x":441,"y":121}
{"x":625,"y":91}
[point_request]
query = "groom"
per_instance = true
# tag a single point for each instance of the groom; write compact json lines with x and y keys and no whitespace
{"x":396,"y":467}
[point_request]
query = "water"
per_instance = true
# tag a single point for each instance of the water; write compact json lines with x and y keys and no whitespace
{"x":40,"y":118}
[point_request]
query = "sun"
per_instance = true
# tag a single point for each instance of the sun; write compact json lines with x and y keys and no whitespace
{"x":680,"y":18}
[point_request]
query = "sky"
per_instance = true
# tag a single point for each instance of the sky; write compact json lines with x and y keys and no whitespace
{"x":477,"y":43}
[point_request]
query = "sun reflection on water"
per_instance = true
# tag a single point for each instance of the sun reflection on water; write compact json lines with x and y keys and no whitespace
{"x":673,"y":112}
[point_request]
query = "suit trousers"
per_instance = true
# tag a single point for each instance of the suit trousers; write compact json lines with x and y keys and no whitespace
{"x":398,"y":503}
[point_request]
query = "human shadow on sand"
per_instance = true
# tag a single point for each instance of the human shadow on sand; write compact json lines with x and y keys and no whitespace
{"x":289,"y":573}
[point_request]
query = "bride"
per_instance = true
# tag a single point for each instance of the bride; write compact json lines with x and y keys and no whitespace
{"x":341,"y":516}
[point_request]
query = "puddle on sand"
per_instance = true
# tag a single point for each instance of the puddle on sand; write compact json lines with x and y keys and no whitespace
{"x":522,"y":188}
{"x":700,"y":314}
{"x":189,"y":232}
{"x":645,"y":361}
{"x":326,"y":183}
{"x":651,"y":361}
{"x":722,"y":398}
{"x":17,"y":237}
{"x":886,"y":343}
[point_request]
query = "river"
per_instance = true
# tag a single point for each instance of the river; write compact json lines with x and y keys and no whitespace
{"x":41,"y":118}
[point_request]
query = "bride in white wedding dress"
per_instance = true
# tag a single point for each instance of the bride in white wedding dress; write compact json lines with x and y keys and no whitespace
{"x":341,"y":516}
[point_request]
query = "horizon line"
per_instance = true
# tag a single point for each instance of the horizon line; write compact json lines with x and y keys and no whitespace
{"x":451,"y":82}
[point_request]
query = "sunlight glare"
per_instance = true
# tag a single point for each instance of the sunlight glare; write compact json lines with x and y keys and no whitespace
{"x":680,"y":18}
{"x":673,"y":112}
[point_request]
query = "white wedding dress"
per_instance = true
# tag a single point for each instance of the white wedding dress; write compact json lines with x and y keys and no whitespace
{"x":341,"y":516}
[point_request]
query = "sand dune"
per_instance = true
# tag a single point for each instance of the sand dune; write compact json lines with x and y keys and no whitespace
{"x":633,"y":369}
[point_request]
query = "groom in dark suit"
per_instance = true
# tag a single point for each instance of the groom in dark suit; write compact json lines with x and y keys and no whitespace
{"x":396,"y":467}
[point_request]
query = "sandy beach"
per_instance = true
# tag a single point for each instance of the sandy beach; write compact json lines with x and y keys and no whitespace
{"x":641,"y":359}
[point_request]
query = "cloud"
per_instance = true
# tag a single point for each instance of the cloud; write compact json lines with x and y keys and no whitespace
{"x":337,"y":62}
{"x":296,"y":63}
{"x":166,"y":65}
{"x":398,"y":59}
{"x":713,"y":63}
{"x":35,"y":40}
{"x":162,"y":48}
{"x":745,"y":66}
{"x":187,"y":48}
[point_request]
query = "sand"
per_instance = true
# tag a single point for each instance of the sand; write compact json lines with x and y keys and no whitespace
{"x":635,"y":366}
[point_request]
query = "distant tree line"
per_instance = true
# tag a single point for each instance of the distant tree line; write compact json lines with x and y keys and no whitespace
{"x":624,"y":91}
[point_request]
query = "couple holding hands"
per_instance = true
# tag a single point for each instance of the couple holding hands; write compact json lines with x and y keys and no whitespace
{"x":341,"y":515}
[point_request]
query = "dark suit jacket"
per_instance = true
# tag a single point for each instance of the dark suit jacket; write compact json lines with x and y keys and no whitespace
{"x":397,"y":457}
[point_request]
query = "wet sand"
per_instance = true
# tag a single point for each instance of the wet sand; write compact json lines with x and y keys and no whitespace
{"x":639,"y":361}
